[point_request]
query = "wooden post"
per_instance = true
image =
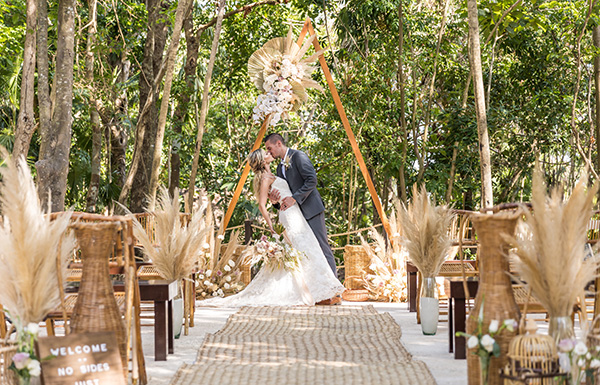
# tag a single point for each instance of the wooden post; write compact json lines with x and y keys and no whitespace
{"x":240,"y":185}
{"x":247,"y":231}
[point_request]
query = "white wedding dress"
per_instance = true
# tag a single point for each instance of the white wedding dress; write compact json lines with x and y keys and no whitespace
{"x":311,"y":283}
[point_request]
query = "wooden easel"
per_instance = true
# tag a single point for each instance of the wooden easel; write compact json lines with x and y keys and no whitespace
{"x":308,"y":29}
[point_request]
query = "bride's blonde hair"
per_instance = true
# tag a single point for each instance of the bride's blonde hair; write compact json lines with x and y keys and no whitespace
{"x":256,"y":160}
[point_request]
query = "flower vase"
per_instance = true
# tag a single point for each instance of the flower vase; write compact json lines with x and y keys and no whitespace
{"x":561,"y":328}
{"x":429,"y":306}
{"x":483,"y":371}
{"x":494,"y":293}
{"x":177,"y":317}
{"x":96,"y":309}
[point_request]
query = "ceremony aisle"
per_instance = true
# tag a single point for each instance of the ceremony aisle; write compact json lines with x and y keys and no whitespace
{"x":361,"y":342}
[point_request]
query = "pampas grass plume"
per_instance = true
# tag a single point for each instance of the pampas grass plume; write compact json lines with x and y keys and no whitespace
{"x":550,"y":254}
{"x":177,"y":247}
{"x":30,"y":245}
{"x":425,"y":229}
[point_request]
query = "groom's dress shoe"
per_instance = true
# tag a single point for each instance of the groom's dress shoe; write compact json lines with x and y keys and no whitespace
{"x":331,"y":301}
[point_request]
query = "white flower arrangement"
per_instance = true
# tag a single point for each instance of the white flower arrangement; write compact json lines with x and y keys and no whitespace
{"x":485,"y":344}
{"x":580,"y":362}
{"x":25,"y":363}
{"x":276,"y":254}
{"x":280,"y":72}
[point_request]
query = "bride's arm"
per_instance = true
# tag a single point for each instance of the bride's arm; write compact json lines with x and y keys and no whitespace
{"x":263,"y":194}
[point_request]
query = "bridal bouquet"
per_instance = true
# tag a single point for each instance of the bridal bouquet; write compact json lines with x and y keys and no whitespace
{"x":278,"y":70}
{"x":276,"y":254}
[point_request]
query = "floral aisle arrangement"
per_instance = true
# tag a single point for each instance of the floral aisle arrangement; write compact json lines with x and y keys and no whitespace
{"x":275,"y":254}
{"x":551,"y":254}
{"x":388,"y":261}
{"x":485,"y":344}
{"x":221,"y":274}
{"x":25,"y":362}
{"x":425,"y":234}
{"x":279,"y":71}
{"x":580,"y":362}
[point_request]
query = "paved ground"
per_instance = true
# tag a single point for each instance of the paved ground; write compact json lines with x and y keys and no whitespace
{"x":433,"y":350}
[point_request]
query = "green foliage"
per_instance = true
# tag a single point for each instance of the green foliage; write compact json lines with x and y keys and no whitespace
{"x":533,"y":75}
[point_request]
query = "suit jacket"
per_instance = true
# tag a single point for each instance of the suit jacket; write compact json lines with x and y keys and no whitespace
{"x":302,"y":178}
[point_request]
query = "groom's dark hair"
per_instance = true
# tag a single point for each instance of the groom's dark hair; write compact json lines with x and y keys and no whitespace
{"x":274,"y":138}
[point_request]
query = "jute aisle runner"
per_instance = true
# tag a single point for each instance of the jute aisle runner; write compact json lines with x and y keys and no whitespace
{"x":305,"y":345}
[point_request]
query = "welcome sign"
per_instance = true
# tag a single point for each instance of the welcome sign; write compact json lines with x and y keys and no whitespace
{"x":81,"y":359}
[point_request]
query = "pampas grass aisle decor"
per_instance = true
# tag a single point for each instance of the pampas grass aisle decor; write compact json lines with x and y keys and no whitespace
{"x":551,"y":256}
{"x":425,"y":234}
{"x":30,"y":245}
{"x":177,"y":248}
{"x":388,"y":263}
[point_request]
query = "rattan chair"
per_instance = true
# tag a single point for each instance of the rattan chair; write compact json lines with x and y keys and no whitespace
{"x":121,"y":261}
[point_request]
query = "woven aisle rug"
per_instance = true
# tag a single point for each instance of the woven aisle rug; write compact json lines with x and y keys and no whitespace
{"x":305,"y":345}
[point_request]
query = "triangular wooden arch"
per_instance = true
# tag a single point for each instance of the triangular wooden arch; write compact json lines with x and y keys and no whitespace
{"x":308,"y":28}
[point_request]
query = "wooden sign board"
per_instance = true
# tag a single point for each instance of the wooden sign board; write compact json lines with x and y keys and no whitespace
{"x":81,"y":359}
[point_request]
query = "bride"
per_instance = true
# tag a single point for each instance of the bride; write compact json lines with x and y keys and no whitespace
{"x":312,"y":282}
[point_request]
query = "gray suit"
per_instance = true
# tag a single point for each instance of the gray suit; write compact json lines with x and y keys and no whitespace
{"x":302,"y":179}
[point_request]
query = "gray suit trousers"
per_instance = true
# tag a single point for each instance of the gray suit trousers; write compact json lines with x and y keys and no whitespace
{"x":317,"y":224}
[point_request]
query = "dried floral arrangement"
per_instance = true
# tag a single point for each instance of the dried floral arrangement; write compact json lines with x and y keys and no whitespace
{"x":425,"y":232}
{"x":222,"y":274}
{"x":176,"y":249}
{"x":388,"y":263}
{"x":278,"y":70}
{"x":32,"y":244}
{"x":551,"y":253}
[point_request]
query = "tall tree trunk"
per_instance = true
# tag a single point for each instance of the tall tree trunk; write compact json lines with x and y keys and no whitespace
{"x":118,"y":133}
{"x":44,"y":102}
{"x":53,"y":165}
{"x":205,"y":100}
{"x":26,"y":119}
{"x":183,"y":8}
{"x":147,"y":126}
{"x":92,"y":194}
{"x":487,"y":198}
{"x":596,"y":38}
{"x":452,"y":173}
{"x":401,"y":85}
{"x":192,"y":41}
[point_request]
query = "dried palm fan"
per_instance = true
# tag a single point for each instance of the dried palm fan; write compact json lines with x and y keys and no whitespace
{"x":551,"y":256}
{"x":532,"y":357}
{"x":265,"y":62}
{"x":32,"y":247}
{"x":178,"y":247}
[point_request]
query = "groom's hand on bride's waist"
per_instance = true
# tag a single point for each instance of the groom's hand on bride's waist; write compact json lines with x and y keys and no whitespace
{"x":287,"y":202}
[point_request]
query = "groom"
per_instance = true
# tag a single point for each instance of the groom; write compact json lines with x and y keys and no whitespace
{"x":301,"y":176}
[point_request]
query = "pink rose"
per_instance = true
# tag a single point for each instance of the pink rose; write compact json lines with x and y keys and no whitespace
{"x":21,"y":360}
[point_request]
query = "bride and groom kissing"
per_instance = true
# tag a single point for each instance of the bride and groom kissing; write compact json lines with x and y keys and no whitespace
{"x":293,"y":191}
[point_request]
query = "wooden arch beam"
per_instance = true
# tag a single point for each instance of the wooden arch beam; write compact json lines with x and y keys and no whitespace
{"x":308,"y":29}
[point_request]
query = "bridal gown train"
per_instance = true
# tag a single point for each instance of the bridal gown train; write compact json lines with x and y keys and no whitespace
{"x":312,"y":282}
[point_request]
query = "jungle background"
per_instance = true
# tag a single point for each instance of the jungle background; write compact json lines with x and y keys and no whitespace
{"x":401,"y":67}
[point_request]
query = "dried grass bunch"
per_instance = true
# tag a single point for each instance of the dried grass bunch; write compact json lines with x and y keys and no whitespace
{"x":223,"y":275}
{"x":425,"y":232}
{"x":224,"y":263}
{"x":177,"y":247}
{"x":30,"y":246}
{"x":388,"y":263}
{"x":550,"y":254}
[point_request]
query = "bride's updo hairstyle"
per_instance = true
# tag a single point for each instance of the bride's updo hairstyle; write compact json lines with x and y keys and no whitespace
{"x":256,"y":160}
